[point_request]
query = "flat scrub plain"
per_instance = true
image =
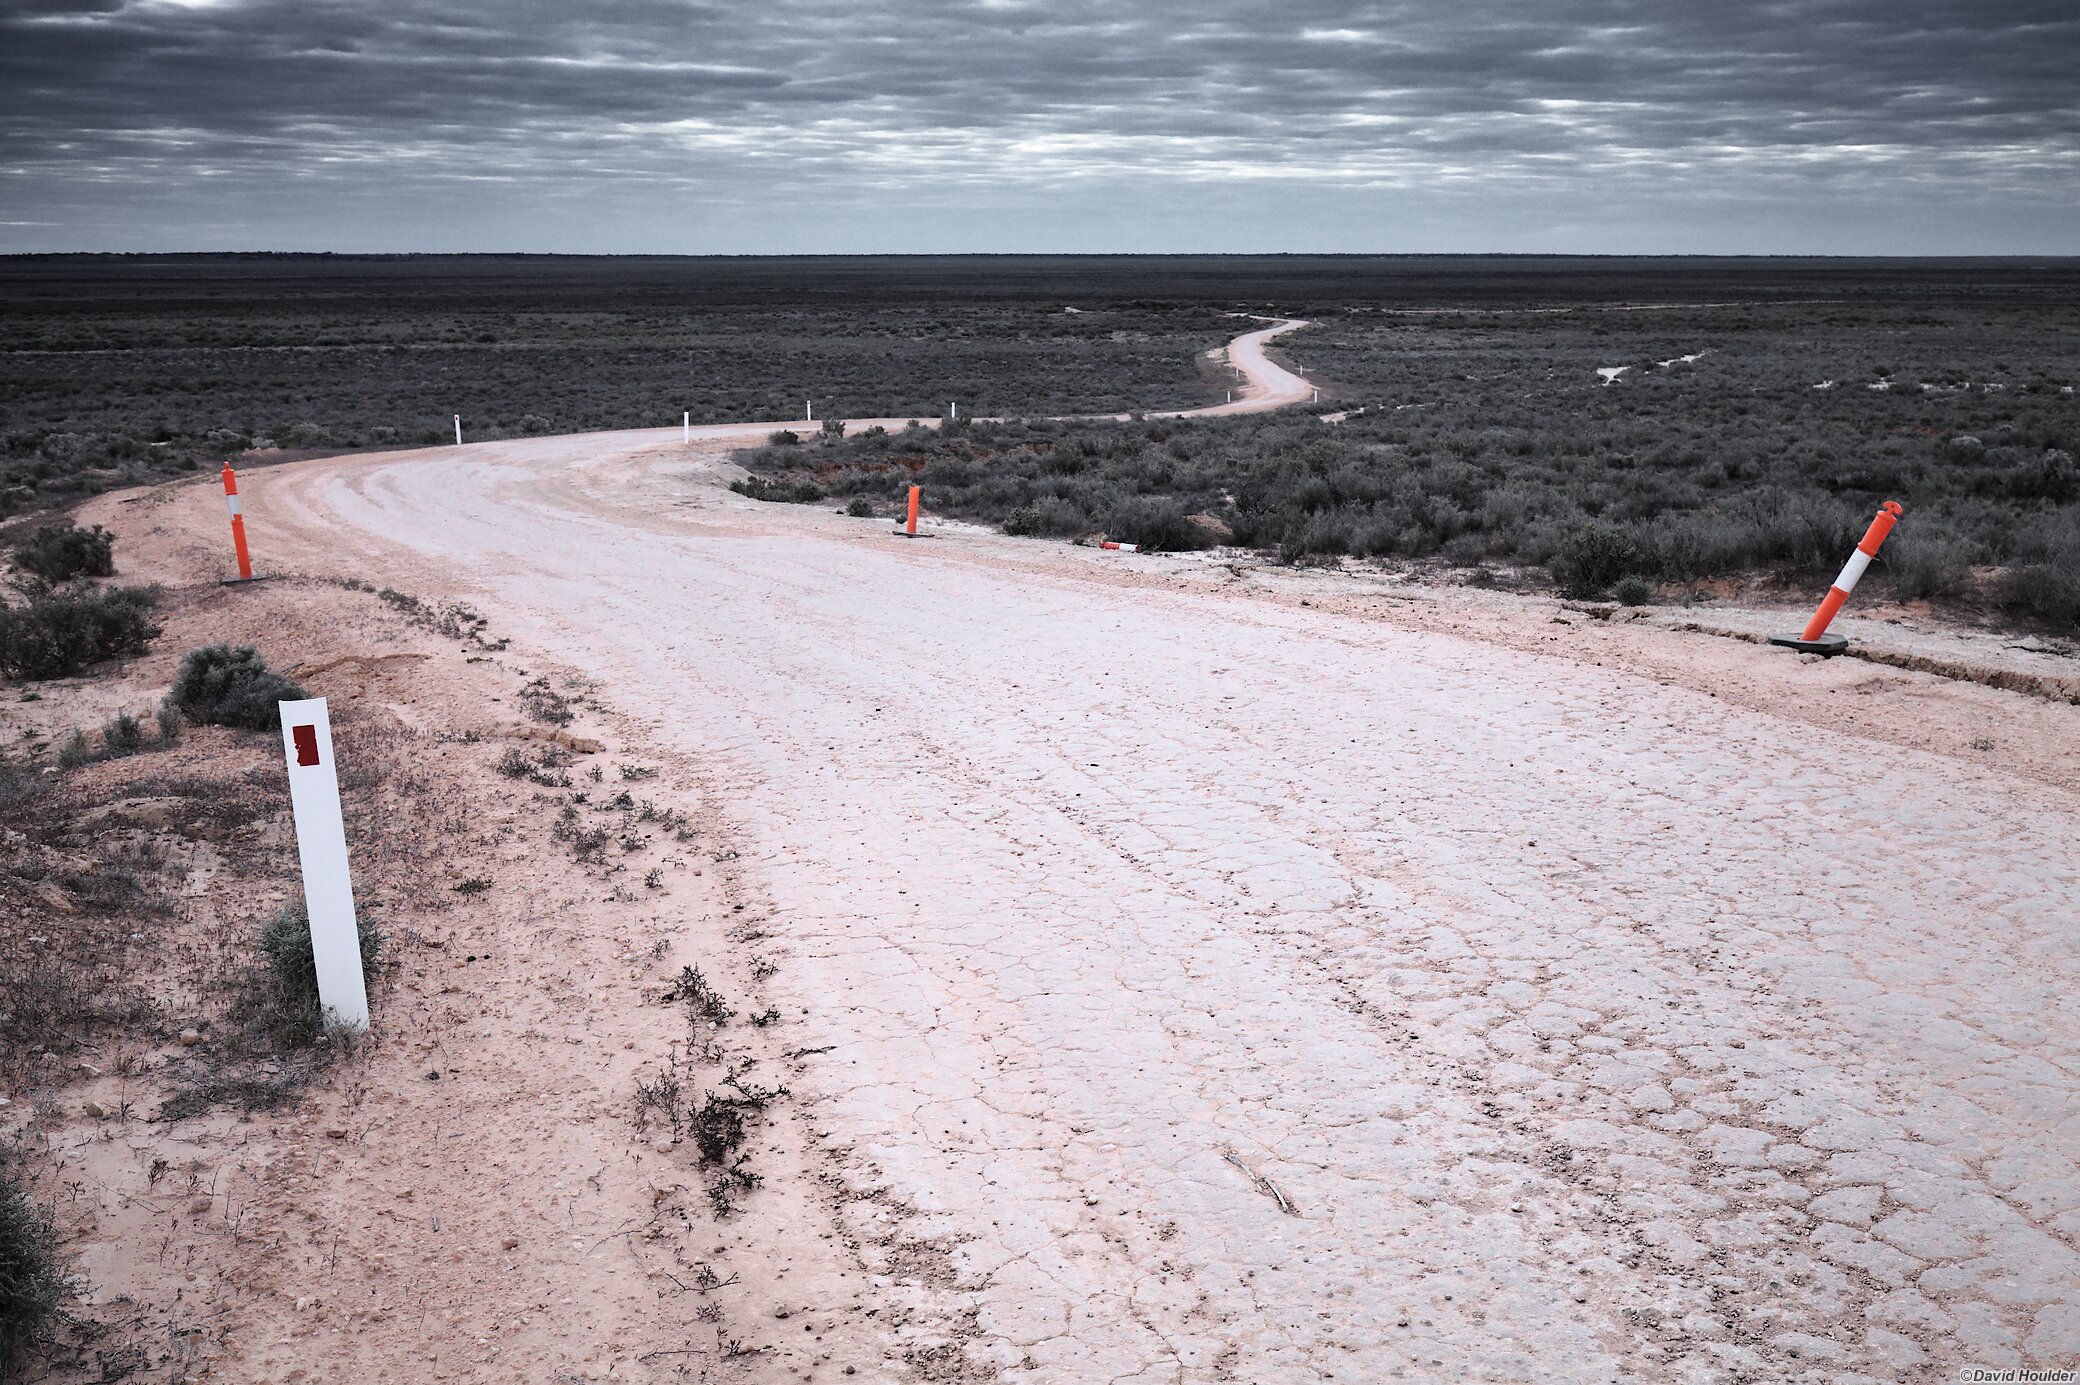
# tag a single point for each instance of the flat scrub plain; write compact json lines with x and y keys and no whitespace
{"x":1590,"y":428}
{"x":116,"y":370}
{"x":1620,"y":425}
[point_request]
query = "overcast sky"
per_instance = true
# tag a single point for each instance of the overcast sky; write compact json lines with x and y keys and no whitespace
{"x":1829,"y":126}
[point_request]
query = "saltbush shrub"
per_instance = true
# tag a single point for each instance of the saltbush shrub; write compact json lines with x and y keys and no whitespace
{"x":781,"y":492}
{"x":2042,"y":593}
{"x":292,"y":971}
{"x":2051,"y":476}
{"x":57,"y":633}
{"x":1591,"y":559}
{"x":123,"y":736}
{"x":61,"y":552}
{"x":1156,"y":526}
{"x":285,"y":942}
{"x":1632,"y":591}
{"x":87,"y":449}
{"x":33,"y":1282}
{"x":1926,"y":569}
{"x":1047,"y":519}
{"x":219,"y":685}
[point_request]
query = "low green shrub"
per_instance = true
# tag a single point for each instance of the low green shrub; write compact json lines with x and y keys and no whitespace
{"x":546,"y":705}
{"x":1156,"y":526}
{"x":33,"y":1282}
{"x":1926,"y":569}
{"x":76,"y":751}
{"x":2042,"y":593}
{"x":1591,"y":559}
{"x":781,"y":492}
{"x":1633,"y":591}
{"x":57,"y":633}
{"x":219,"y":685}
{"x":1047,"y":519}
{"x":123,"y":736}
{"x":61,"y":552}
{"x":291,"y":990}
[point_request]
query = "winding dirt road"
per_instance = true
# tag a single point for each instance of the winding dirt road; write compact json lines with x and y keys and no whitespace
{"x":1249,"y":984}
{"x":1266,"y":384}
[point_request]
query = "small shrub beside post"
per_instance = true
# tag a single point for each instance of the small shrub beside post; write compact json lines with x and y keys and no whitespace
{"x":222,"y":685}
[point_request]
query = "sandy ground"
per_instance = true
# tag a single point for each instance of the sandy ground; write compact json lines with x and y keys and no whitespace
{"x":1205,"y":972}
{"x":469,"y":1196}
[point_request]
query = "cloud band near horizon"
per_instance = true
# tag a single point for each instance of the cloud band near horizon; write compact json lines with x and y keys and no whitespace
{"x":644,"y":125}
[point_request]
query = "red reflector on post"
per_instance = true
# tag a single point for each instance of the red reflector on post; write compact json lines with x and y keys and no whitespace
{"x":306,"y":744}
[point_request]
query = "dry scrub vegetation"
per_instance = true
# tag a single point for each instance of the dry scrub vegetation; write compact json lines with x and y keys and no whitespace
{"x":195,"y":1173}
{"x":1741,"y":441}
{"x":152,"y":968}
{"x":115,"y":372}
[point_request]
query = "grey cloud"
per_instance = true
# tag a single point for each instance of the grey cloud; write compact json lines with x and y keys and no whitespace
{"x":1969,"y":98}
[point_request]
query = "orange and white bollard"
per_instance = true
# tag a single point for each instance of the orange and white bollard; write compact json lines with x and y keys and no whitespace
{"x":909,"y":529}
{"x":1814,"y":639}
{"x":238,"y":525}
{"x":1119,"y":547}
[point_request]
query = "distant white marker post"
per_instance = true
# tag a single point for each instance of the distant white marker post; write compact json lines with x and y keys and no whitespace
{"x":321,"y":845}
{"x":458,"y":430}
{"x":686,"y":426}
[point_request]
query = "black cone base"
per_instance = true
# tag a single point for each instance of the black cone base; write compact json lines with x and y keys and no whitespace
{"x":1826,"y":644}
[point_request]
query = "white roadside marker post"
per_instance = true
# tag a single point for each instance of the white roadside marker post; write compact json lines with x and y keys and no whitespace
{"x":809,"y":410}
{"x":953,"y":408}
{"x":321,"y":845}
{"x":686,"y":426}
{"x":458,"y":430}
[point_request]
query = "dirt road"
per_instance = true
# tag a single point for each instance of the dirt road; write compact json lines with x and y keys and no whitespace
{"x":1266,"y":384}
{"x":1242,"y":985}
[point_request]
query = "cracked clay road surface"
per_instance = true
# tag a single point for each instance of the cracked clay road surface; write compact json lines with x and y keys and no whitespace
{"x":1593,"y":1028}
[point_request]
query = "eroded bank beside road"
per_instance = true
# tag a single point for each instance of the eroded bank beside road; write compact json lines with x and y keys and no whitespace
{"x":478,"y":1189}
